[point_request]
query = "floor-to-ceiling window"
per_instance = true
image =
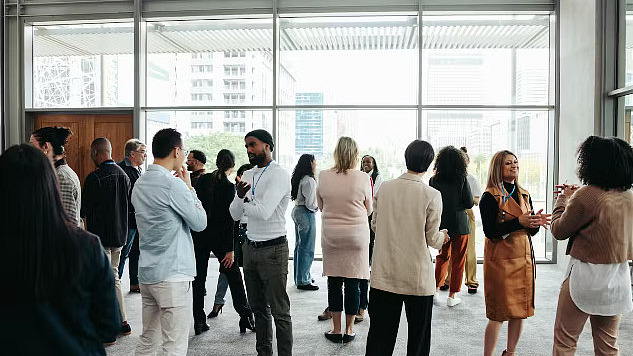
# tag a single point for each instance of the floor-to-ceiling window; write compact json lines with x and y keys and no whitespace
{"x":479,"y":79}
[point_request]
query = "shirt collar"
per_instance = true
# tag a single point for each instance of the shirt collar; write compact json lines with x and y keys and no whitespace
{"x":158,"y":168}
{"x":409,"y":176}
{"x":127,"y":162}
{"x":104,"y":163}
{"x":60,"y":162}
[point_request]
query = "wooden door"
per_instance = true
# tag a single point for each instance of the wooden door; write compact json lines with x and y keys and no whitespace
{"x":116,"y":128}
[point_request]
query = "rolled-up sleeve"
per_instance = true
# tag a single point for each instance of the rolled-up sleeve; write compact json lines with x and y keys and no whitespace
{"x":186,"y":203}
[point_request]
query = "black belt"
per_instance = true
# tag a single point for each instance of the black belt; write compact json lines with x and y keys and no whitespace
{"x":273,"y":242}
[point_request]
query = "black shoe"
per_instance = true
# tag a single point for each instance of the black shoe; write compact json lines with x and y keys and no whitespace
{"x":199,"y":327}
{"x":246,"y":322}
{"x":217,"y":309}
{"x":335,"y":338}
{"x":444,"y":287}
{"x":125,"y":329}
{"x":326,"y":315}
{"x":348,"y":338}
{"x":472,"y":290}
{"x":308,"y":286}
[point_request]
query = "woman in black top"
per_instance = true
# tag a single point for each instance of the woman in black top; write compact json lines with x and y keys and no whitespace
{"x":60,"y":299}
{"x":216,"y":192}
{"x":450,"y":180}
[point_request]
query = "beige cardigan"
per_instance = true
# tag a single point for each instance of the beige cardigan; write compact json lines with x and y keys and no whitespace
{"x":406,"y":220}
{"x":599,"y":222}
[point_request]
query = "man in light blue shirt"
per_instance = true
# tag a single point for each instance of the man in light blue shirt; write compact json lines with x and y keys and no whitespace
{"x":167,"y":208}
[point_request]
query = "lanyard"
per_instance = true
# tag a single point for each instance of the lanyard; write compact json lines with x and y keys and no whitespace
{"x":503,"y":189}
{"x":260,"y":177}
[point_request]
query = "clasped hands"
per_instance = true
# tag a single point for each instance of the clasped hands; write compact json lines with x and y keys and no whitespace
{"x":533,"y":221}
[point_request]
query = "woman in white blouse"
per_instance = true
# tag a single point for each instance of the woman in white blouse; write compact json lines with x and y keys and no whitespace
{"x":304,"y":195}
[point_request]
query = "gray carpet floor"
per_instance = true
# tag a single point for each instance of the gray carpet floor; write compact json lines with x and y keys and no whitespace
{"x":455,"y":331}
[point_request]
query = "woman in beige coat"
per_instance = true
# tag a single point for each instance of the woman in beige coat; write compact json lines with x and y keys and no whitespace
{"x":344,"y":196}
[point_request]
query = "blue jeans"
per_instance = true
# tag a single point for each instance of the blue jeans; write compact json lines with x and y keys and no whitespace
{"x":305,"y":234}
{"x":126,"y":250}
{"x":220,"y":292}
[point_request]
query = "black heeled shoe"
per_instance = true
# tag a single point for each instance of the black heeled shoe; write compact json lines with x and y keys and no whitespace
{"x":199,"y":327}
{"x":246,"y":322}
{"x":217,"y":309}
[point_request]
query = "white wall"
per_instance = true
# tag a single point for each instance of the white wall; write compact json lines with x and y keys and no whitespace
{"x":579,"y":83}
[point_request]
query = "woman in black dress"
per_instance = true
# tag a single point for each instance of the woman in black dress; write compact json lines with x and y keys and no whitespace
{"x":216,"y":192}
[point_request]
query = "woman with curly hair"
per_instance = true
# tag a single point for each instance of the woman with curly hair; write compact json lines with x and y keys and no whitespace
{"x":597,"y":221}
{"x":450,"y":180}
{"x":303,"y":192}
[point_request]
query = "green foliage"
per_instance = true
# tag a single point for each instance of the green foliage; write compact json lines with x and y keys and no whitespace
{"x":211,"y":144}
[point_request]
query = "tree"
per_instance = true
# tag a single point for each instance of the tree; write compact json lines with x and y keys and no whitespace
{"x":212,"y":144}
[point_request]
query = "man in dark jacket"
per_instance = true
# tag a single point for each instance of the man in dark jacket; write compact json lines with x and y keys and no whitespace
{"x":135,"y":154}
{"x":104,"y":207}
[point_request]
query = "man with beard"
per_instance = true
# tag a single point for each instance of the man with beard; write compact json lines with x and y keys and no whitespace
{"x":195,"y":164}
{"x":263,"y":195}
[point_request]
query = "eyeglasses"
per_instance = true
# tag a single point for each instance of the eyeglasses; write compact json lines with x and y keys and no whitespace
{"x":186,"y":152}
{"x":141,"y":151}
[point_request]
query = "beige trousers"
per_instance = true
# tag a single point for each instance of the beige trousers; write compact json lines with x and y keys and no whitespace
{"x":167,"y":315}
{"x":114,"y":255}
{"x":470,"y":268}
{"x":569,"y":324}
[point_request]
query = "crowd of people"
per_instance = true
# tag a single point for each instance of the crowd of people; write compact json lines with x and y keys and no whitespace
{"x":66,"y":260}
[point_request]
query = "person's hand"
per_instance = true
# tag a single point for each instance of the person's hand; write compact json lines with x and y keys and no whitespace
{"x":446,"y":237}
{"x":539,"y":219}
{"x":241,"y":188}
{"x":228,"y":259}
{"x":565,"y":190}
{"x":184,"y":174}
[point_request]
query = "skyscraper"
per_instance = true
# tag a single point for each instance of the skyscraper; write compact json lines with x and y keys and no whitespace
{"x":309,"y":125}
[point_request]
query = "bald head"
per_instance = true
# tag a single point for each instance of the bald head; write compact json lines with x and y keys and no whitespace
{"x":100,"y":150}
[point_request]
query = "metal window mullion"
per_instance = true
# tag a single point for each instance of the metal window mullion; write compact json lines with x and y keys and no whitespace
{"x":275,"y":83}
{"x":419,"y":127}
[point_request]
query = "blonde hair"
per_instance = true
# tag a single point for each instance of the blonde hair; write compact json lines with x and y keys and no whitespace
{"x":495,"y":171}
{"x":345,"y":154}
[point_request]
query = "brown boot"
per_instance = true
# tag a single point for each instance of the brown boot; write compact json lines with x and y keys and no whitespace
{"x":360,"y":316}
{"x":325,"y":315}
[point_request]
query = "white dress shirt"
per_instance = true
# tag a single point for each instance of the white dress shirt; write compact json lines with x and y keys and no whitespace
{"x":268,"y":197}
{"x":306,"y":194}
{"x":600,"y":289}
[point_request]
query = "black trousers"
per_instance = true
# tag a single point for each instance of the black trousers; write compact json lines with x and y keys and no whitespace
{"x":233,"y":274}
{"x":384,"y":311}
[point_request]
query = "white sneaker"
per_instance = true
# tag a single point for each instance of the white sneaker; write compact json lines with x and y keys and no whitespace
{"x":451,"y":302}
{"x":436,"y":299}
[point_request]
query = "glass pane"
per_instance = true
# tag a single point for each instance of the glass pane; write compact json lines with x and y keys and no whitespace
{"x":219,"y":62}
{"x":87,"y":65}
{"x":485,"y":132}
{"x":210,"y":131}
{"x":485,"y":59}
{"x":350,"y":60}
{"x":629,"y":45}
{"x":384,"y":134}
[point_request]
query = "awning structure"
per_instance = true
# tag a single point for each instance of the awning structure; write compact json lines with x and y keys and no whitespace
{"x":438,"y":32}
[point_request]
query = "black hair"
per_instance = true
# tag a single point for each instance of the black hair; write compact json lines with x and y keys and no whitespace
{"x":375,"y":171}
{"x":303,"y":168}
{"x":243,"y":168}
{"x":450,"y":164}
{"x":465,"y":152}
{"x":418,"y":156}
{"x":224,"y":161}
{"x":200,"y":156}
{"x":165,"y":141}
{"x":56,"y":136}
{"x":39,"y":249}
{"x":606,"y":163}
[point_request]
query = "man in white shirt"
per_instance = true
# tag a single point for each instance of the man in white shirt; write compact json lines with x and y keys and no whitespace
{"x":263,"y":194}
{"x":167,"y":207}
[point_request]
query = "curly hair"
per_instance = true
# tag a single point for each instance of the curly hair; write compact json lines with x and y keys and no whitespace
{"x":450,"y":165}
{"x":606,"y":163}
{"x":56,"y":136}
{"x":303,"y":168}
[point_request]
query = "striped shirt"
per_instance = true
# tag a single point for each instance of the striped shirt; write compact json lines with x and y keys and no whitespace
{"x":70,"y":190}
